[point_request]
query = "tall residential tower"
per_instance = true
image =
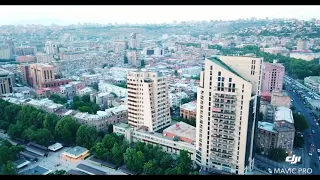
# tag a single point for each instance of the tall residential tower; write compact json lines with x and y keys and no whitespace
{"x":148,"y":100}
{"x":227,"y":107}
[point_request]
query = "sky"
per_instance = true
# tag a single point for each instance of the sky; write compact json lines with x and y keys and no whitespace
{"x":62,"y":15}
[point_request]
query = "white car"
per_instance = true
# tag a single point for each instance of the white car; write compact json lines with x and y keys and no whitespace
{"x":313,"y":131}
{"x":310,"y":154}
{"x":317,"y":124}
{"x":318,"y":150}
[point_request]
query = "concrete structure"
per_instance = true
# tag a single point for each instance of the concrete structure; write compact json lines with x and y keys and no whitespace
{"x":272,"y":78}
{"x":302,"y":45}
{"x":228,"y":105}
{"x":120,"y":46}
{"x":276,"y":50}
{"x":190,"y":70}
{"x":45,"y":104}
{"x":23,"y":71}
{"x":26,"y":50}
{"x":280,"y":99}
{"x":7,"y":80}
{"x":313,"y":82}
{"x":168,"y":144}
{"x":43,"y":76}
{"x":305,"y":56}
{"x":102,"y":119}
{"x":76,"y":152}
{"x":110,"y":88}
{"x":267,"y":110}
{"x":148,"y":101}
{"x":189,"y":110}
{"x":182,"y":131}
{"x":44,"y":58}
{"x":279,"y":134}
{"x":26,"y":59}
{"x":51,"y":48}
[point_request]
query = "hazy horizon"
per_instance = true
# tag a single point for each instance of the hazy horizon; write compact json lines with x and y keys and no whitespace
{"x":104,"y":14}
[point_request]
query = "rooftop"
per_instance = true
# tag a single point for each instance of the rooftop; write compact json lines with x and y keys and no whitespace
{"x":123,"y":125}
{"x":38,"y":170}
{"x":191,"y":106}
{"x":283,"y":114}
{"x":217,"y":61}
{"x":5,"y":72}
{"x":266,"y":126}
{"x":90,"y":170}
{"x":182,"y":129}
{"x":55,"y":147}
{"x":76,"y":151}
{"x":314,"y":78}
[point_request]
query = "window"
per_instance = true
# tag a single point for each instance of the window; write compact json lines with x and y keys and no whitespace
{"x":230,"y":79}
{"x":219,"y":73}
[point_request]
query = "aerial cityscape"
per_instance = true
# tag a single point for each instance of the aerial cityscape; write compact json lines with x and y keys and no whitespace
{"x":178,"y":94}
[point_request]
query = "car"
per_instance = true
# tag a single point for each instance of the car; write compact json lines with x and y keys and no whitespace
{"x":317,"y":124}
{"x":313,"y":131}
{"x":318,"y":150}
{"x":291,"y":99}
{"x":310,"y":154}
{"x":312,"y":145}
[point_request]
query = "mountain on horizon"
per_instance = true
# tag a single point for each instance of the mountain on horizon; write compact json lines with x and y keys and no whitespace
{"x":45,"y":22}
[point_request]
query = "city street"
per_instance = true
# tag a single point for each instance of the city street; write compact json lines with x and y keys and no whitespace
{"x":314,"y":139}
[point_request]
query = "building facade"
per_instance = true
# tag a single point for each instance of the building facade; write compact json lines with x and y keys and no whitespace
{"x":189,"y":110}
{"x":148,"y":100}
{"x":227,"y":108}
{"x":7,"y":80}
{"x":272,"y":79}
{"x":313,"y":82}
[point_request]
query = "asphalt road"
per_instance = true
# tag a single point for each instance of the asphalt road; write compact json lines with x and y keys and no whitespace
{"x":315,"y":137}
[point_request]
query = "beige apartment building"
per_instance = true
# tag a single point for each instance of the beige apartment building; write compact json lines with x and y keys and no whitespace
{"x":41,"y":73}
{"x":227,"y":108}
{"x":148,"y":100}
{"x":7,"y":81}
{"x":189,"y":110}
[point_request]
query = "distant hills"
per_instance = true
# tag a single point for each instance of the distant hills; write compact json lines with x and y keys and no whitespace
{"x":45,"y":22}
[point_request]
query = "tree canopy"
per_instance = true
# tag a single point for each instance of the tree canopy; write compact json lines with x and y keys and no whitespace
{"x":300,"y":122}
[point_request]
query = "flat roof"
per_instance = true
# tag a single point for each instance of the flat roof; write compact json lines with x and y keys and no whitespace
{"x":76,"y":151}
{"x":123,"y":125}
{"x":75,"y":172}
{"x":217,"y":61}
{"x":266,"y":126}
{"x":38,"y":170}
{"x":91,"y":170}
{"x":190,"y":106}
{"x":283,"y":114}
{"x":21,"y":163}
{"x":55,"y":147}
{"x":182,"y":129}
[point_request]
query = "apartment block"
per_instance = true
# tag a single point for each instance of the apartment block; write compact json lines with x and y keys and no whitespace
{"x":278,"y":134}
{"x":227,"y":107}
{"x":272,"y":79}
{"x":148,"y":100}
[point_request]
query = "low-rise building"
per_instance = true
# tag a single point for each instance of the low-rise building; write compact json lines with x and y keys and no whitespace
{"x":169,"y":144}
{"x":189,"y":110}
{"x":313,"y":82}
{"x":110,"y":88}
{"x":280,"y":99}
{"x":279,"y":134}
{"x":102,"y":119}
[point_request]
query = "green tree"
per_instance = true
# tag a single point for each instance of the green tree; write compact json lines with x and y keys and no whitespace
{"x":184,"y":162}
{"x":59,"y":172}
{"x":185,"y":100}
{"x":134,"y":159}
{"x":15,"y":130}
{"x":95,"y":86}
{"x":117,"y":154}
{"x":43,"y":137}
{"x":277,"y":154}
{"x":171,"y":171}
{"x":85,"y":98}
{"x":298,"y":141}
{"x":9,"y":169}
{"x":166,"y":161}
{"x":50,"y":122}
{"x":66,"y":130}
{"x":149,"y":168}
{"x":110,"y":128}
{"x":142,"y":64}
{"x":260,"y":116}
{"x":293,"y":108}
{"x":85,"y":109}
{"x":300,"y":122}
{"x":86,"y":136}
{"x":125,"y":60}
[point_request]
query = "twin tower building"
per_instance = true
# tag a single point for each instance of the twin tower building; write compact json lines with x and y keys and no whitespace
{"x":228,"y":101}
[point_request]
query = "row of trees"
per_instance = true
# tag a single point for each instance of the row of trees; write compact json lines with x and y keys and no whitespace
{"x":191,"y":121}
{"x":142,"y":158}
{"x":83,"y":104}
{"x":58,"y":99}
{"x":8,"y":154}
{"x":297,"y":68}
{"x":34,"y":125}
